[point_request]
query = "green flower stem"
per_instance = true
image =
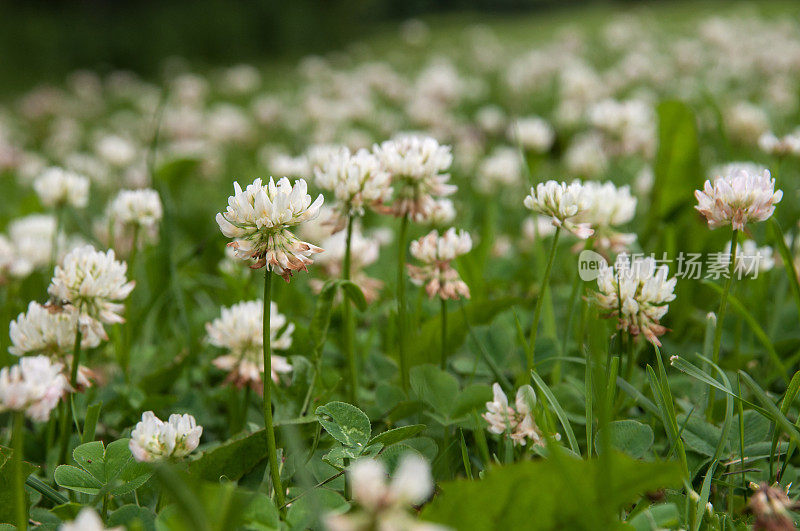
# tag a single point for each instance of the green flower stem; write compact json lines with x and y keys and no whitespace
{"x":401,"y":301}
{"x":54,"y":241}
{"x":66,"y":431}
{"x":274,"y":469}
{"x":537,"y":312}
{"x":348,"y":340}
{"x":723,"y":303}
{"x":444,"y":334}
{"x":20,"y":509}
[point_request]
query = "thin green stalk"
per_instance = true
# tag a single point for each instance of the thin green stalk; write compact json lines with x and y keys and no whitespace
{"x":723,"y":303}
{"x":54,"y":241}
{"x":267,"y":386}
{"x":443,"y":360}
{"x":539,"y":300}
{"x":347,"y":317}
{"x":20,"y":509}
{"x":66,"y":431}
{"x":401,"y":301}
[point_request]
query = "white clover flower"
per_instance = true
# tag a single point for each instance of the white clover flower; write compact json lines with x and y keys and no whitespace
{"x":781,"y":147}
{"x":746,"y":122}
{"x":436,"y":252}
{"x":259,"y":218}
{"x":356,"y":180}
{"x":11,"y":264}
{"x":737,"y":198}
{"x":32,"y":237}
{"x":136,"y":207}
{"x":537,"y":227}
{"x":87,"y":520}
{"x":561,"y":202}
{"x":95,"y":283}
{"x":116,"y":150}
{"x":416,"y":165}
{"x":502,"y":167}
{"x":585,"y":156}
{"x":57,"y":186}
{"x":153,"y":439}
{"x":532,"y":133}
{"x":517,"y":422}
{"x":751,"y":259}
{"x":47,"y":330}
{"x":637,"y":293}
{"x":608,"y":207}
{"x":382,"y":504}
{"x":442,"y":212}
{"x":239,"y":331}
{"x":34,"y":386}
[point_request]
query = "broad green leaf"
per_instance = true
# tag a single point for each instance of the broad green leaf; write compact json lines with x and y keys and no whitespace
{"x":67,"y":511}
{"x":353,"y":292}
{"x":306,"y":511}
{"x":630,"y":437}
{"x":558,"y":493}
{"x":77,"y":479}
{"x":472,"y":397}
{"x":397,"y":435}
{"x":7,"y":494}
{"x":232,"y":459}
{"x":435,"y":387}
{"x":663,"y":516}
{"x":261,"y":514}
{"x":345,"y":423}
{"x":131,"y":515}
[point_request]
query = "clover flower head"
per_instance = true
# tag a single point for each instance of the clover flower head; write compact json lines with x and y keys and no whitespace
{"x":780,"y":146}
{"x":561,"y":202}
{"x":738,"y":197}
{"x":517,"y":422}
{"x":436,"y":252}
{"x":57,"y":187}
{"x":608,"y":207}
{"x":48,"y":330}
{"x":136,"y":207}
{"x":259,"y":218}
{"x":356,"y":180}
{"x":153,"y":439}
{"x":384,"y":504}
{"x":32,"y":237}
{"x":416,"y":165}
{"x":33,"y":386}
{"x":95,"y":283}
{"x":637,"y":292}
{"x":239,"y":331}
{"x":532,"y":133}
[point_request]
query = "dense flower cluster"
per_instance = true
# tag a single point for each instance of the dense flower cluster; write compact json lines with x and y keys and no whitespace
{"x":416,"y":165}
{"x":238,"y":330}
{"x":561,"y":202}
{"x":515,"y":422}
{"x":258,"y":219}
{"x":356,"y":180}
{"x":47,"y":330}
{"x":58,"y":187}
{"x":95,"y":283}
{"x":34,"y":386}
{"x":608,"y":207}
{"x":637,"y":293}
{"x":436,"y":252}
{"x":738,"y":197}
{"x":153,"y":439}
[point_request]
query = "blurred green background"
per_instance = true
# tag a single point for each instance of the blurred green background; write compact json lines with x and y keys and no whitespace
{"x":42,"y":40}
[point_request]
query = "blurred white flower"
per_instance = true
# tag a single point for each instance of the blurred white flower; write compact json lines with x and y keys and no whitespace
{"x":95,"y":283}
{"x":436,"y":252}
{"x":780,"y":147}
{"x":153,"y":439}
{"x":517,"y":422}
{"x":115,"y":150}
{"x":637,"y":293}
{"x":33,"y":237}
{"x":532,"y":133}
{"x":737,"y":198}
{"x":416,"y":165}
{"x":34,"y":386}
{"x":58,"y":187}
{"x":239,"y":331}
{"x":746,"y":122}
{"x":502,"y":167}
{"x":608,"y":207}
{"x":356,"y":180}
{"x":258,"y":219}
{"x":384,"y":505}
{"x":585,"y":156}
{"x":136,"y":207}
{"x":561,"y":202}
{"x":87,"y":520}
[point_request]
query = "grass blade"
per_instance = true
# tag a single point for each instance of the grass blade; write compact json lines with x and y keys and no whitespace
{"x":560,"y":413}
